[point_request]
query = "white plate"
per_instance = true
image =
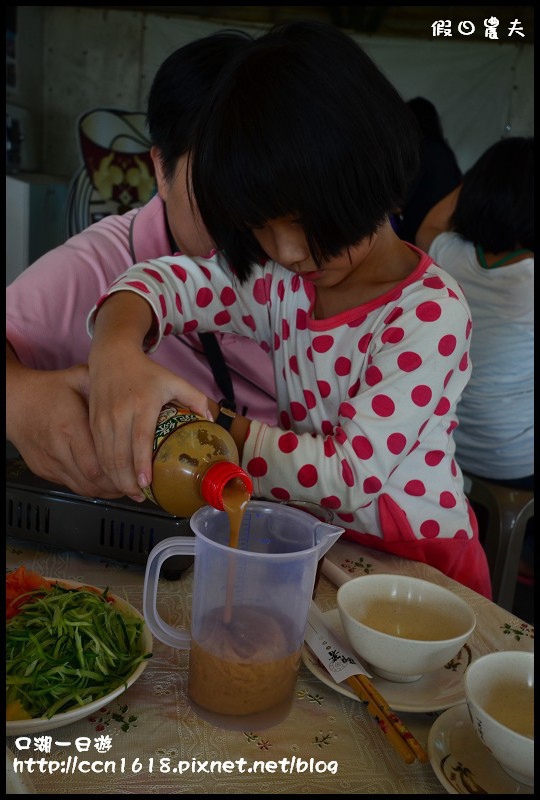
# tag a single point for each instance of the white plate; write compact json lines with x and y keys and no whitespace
{"x":27,"y":727}
{"x":435,"y":692}
{"x":462,"y":763}
{"x":17,"y":782}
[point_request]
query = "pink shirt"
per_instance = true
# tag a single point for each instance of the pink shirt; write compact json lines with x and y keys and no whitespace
{"x":48,"y":304}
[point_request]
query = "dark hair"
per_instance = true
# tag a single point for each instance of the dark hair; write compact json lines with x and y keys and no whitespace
{"x":495,"y":207}
{"x":427,"y":117}
{"x":302,"y":122}
{"x":179,"y":89}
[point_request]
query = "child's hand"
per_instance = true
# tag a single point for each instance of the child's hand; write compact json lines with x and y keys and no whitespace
{"x":127,"y":392}
{"x":126,"y":396}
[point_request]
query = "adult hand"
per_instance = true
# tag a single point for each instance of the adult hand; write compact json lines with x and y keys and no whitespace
{"x":47,"y":421}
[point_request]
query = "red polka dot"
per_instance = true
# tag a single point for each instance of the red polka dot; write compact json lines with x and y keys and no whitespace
{"x":347,"y":410}
{"x":324,"y":388}
{"x":408,"y":362}
{"x":167,"y":329}
{"x":453,"y":468}
{"x":346,"y":517}
{"x":363,"y":344}
{"x":447,"y":378}
{"x":293,"y":364}
{"x":163,"y":305}
{"x":281,"y":290}
{"x":468,"y":328}
{"x":329,"y":448}
{"x":342,"y":366}
{"x":383,"y":405}
{"x":309,"y":398}
{"x":321,"y":344}
{"x":396,"y":443}
{"x":257,"y":467}
{"x":327,"y":428}
{"x":204,"y":297}
{"x":288,"y":442}
{"x":308,"y":476}
{"x":153,"y":274}
{"x":179,"y":272}
{"x":430,"y":529}
{"x":296,"y":283}
{"x":362,"y":447}
{"x":464,"y":363}
{"x":422,"y":426}
{"x":222,"y":318}
{"x":447,"y":345}
{"x":443,"y":407}
{"x":461,"y":534}
{"x":301,"y":319}
{"x":347,"y":473}
{"x":178,"y":303}
{"x":285,"y":420}
{"x":339,"y":435}
{"x":277,"y":342}
{"x":392,"y":335}
{"x":298,"y":411}
{"x":415,"y":488}
{"x":353,"y":390}
{"x":433,"y":282}
{"x":451,"y":427}
{"x":206,"y":272}
{"x":265,"y":346}
{"x":249,"y":321}
{"x":228,"y":296}
{"x":139,"y":285}
{"x":280,"y":494}
{"x":309,"y":354}
{"x":285,"y":330}
{"x":421,"y":395}
{"x":260,"y":288}
{"x":447,"y":500}
{"x":373,"y":376}
{"x":415,"y":445}
{"x":190,"y":326}
{"x":372,"y":485}
{"x":434,"y":457}
{"x":428,"y":311}
{"x":330,"y":502}
{"x":393,"y":315}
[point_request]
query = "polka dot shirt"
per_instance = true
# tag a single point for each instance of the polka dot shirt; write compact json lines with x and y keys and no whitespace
{"x":366,"y":398}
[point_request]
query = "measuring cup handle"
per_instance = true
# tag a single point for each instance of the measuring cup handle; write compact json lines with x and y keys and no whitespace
{"x":174,"y":546}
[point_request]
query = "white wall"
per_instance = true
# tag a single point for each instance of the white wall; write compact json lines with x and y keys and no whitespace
{"x":96,"y":57}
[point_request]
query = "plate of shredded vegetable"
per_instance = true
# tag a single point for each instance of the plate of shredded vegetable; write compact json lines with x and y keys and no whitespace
{"x":70,"y":649}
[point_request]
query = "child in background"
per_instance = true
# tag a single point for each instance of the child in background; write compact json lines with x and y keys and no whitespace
{"x":298,"y":160}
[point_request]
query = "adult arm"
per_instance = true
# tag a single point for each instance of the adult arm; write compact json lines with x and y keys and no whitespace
{"x":47,"y":421}
{"x":437,"y":220}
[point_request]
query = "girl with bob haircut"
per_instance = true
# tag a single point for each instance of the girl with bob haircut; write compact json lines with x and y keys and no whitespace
{"x":299,"y":157}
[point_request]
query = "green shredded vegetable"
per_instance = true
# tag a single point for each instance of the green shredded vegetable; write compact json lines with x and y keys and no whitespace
{"x":68,"y":647}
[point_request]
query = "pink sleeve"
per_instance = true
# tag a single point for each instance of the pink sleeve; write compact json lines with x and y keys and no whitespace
{"x":47,"y":305}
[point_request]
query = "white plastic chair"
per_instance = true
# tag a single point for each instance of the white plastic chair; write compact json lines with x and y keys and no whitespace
{"x":508,"y":511}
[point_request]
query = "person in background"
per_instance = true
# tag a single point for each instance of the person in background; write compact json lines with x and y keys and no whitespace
{"x":47,"y":305}
{"x":299,"y":157}
{"x":483,"y":234}
{"x":438,"y":175}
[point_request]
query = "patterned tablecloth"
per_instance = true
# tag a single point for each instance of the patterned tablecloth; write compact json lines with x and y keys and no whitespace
{"x":338,"y":748}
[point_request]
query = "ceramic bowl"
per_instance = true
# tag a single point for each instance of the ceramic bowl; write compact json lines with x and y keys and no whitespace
{"x":28,"y":727}
{"x":403,"y":627}
{"x":499,"y":689}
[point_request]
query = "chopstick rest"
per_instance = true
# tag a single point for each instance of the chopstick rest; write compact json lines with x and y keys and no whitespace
{"x":342,"y":665}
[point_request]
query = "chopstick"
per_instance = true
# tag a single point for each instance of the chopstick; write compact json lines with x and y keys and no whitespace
{"x":397,"y":733}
